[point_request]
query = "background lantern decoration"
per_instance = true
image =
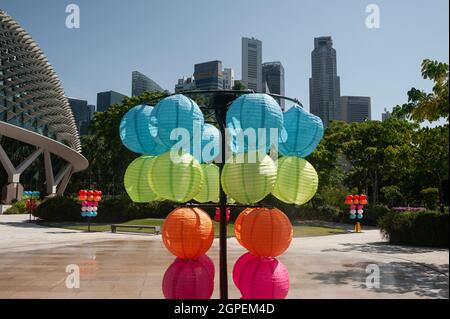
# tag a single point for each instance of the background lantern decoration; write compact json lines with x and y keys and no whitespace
{"x":188,"y":233}
{"x":356,"y":199}
{"x":302,"y":132}
{"x":363,"y":199}
{"x":248,"y":181}
{"x":261,"y":278}
{"x":177,"y":112}
{"x":137,"y":180}
{"x":178,"y":181}
{"x":297,"y":180}
{"x":136,"y":132}
{"x":217,"y":214}
{"x":209,"y":191}
{"x":265,"y":232}
{"x":189,"y":279}
{"x":349,"y":200}
{"x":254,"y":111}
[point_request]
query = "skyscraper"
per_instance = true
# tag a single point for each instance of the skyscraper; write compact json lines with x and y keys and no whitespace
{"x":208,"y":75}
{"x":106,"y":99}
{"x":228,"y":78}
{"x":81,"y":113}
{"x":141,"y":83}
{"x":273,"y":79}
{"x":252,"y":64}
{"x":324,"y":84}
{"x":355,"y":108}
{"x":185,"y":84}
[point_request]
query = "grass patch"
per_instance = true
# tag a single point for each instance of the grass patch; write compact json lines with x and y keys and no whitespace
{"x":299,"y":231}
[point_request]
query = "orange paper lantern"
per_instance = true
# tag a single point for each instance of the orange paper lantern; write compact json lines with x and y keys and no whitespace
{"x":356,"y":199}
{"x":265,"y":232}
{"x":188,"y":233}
{"x":238,"y":223}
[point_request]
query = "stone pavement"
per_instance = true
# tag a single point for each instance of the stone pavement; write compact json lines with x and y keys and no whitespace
{"x":33,"y":261}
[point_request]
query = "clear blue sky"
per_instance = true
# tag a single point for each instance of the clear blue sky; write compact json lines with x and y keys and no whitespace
{"x":164,"y":39}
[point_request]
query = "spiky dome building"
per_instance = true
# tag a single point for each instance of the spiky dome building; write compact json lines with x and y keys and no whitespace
{"x":34,"y":109}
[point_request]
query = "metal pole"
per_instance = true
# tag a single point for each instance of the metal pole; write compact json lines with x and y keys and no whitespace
{"x":220,"y":105}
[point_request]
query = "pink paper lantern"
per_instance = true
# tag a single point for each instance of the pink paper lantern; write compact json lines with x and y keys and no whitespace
{"x":239,"y":265}
{"x":189,"y":279}
{"x":261,"y":278}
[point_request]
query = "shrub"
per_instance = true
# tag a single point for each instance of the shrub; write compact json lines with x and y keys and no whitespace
{"x":427,"y":228}
{"x":17,"y":208}
{"x":372,"y":213}
{"x":430,"y":197}
{"x":59,"y":209}
{"x":110,"y":210}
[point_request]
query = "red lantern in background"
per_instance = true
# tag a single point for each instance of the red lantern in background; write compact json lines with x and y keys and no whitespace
{"x":349,"y":200}
{"x":356,"y":199}
{"x":363,"y":199}
{"x":217,"y":215}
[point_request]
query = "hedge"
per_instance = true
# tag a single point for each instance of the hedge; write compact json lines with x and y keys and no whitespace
{"x":426,"y":228}
{"x":111,"y":210}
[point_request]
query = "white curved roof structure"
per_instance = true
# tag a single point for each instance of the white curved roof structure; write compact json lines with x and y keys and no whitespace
{"x":33,"y":107}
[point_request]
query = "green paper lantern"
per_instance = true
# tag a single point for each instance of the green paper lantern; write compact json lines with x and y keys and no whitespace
{"x":297,"y":180}
{"x":210,"y":187}
{"x":247,"y":180}
{"x":136,"y":180}
{"x":177,"y":178}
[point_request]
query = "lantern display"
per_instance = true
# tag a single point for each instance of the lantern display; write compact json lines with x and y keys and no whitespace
{"x":137,"y":180}
{"x":189,"y":279}
{"x":136,"y":132}
{"x":238,"y":223}
{"x":177,"y":112}
{"x":209,"y":191}
{"x":297,"y":180}
{"x":188,"y":233}
{"x":349,"y":200}
{"x":302,"y":132}
{"x":265,"y":232}
{"x":261,"y":278}
{"x":260,"y":113}
{"x":178,"y":179}
{"x":210,"y":147}
{"x":356,"y":199}
{"x":248,"y":179}
{"x":89,"y":202}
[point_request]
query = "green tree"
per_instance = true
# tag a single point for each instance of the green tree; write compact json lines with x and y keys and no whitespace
{"x":239,"y":85}
{"x":423,"y":106}
{"x":432,"y":157}
{"x":108,"y":158}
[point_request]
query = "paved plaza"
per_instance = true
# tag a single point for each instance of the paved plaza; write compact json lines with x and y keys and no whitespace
{"x":33,"y":261}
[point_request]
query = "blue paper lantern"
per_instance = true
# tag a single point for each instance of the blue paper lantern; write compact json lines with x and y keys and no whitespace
{"x":360,"y":216}
{"x":302,"y":132}
{"x":352,"y":216}
{"x":178,"y":112}
{"x":137,"y":134}
{"x":254,"y":111}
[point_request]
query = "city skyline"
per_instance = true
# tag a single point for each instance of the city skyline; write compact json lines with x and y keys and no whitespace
{"x":370,"y":62}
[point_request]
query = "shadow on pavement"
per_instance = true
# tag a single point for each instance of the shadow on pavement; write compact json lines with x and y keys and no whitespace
{"x":384,"y":248}
{"x":423,"y":280}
